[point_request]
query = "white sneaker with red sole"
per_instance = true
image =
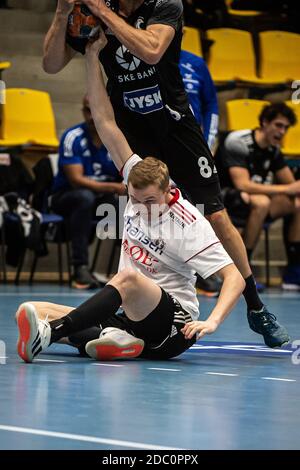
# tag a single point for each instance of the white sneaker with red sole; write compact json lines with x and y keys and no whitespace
{"x":34,"y":334}
{"x":114,"y":343}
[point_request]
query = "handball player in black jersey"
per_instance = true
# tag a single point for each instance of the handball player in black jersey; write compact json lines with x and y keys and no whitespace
{"x":151,"y":108}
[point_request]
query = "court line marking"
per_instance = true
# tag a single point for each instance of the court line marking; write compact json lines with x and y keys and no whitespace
{"x":161,"y":368}
{"x":49,"y":360}
{"x":222,"y":373}
{"x":279,"y":379}
{"x":84,"y":438}
{"x":285,"y":295}
{"x":48,"y":294}
{"x":107,"y":365}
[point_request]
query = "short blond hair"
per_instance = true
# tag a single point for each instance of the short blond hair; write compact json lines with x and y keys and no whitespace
{"x":149,"y":171}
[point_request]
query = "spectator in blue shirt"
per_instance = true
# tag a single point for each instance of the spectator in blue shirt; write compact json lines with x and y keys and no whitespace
{"x":86,"y":178}
{"x":202,"y":94}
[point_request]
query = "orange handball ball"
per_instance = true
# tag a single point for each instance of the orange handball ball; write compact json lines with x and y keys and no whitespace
{"x":82,"y":23}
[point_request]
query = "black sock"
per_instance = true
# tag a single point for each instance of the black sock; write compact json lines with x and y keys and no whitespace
{"x":80,"y":339}
{"x":251,"y":295}
{"x":84,"y":336}
{"x":293,"y":253}
{"x":249,"y":253}
{"x":91,"y":313}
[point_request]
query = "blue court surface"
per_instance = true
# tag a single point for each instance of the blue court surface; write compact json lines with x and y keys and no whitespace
{"x":228,"y":392}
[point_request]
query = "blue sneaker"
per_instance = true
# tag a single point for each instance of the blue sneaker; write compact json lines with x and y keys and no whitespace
{"x":291,"y":278}
{"x":264,"y":323}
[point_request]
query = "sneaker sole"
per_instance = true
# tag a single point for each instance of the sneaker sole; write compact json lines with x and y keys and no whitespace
{"x":28,"y":330}
{"x":109,"y":350}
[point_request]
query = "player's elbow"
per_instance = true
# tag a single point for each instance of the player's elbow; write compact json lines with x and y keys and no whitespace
{"x":50,"y":67}
{"x":233,"y":278}
{"x":152,"y":57}
{"x":237,"y":280}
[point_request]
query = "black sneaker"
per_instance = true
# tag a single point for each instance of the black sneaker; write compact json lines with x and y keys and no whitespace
{"x":264,"y":323}
{"x":209,"y":287}
{"x":83,"y":279}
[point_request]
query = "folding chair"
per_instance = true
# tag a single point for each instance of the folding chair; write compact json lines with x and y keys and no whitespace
{"x":191,"y":41}
{"x":291,"y":145}
{"x":279,"y":56}
{"x":243,"y":114}
{"x":231,"y":55}
{"x":4,"y":66}
{"x":244,"y":13}
{"x":27,"y":117}
{"x":240,"y":223}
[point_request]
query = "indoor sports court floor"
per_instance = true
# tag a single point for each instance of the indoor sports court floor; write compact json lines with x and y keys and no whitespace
{"x":228,"y":392}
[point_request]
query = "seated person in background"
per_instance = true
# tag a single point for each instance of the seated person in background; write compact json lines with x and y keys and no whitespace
{"x":254,"y":160}
{"x":202,"y":96}
{"x":86,"y":178}
{"x":14,"y":176}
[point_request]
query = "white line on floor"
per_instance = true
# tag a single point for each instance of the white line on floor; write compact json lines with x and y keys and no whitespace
{"x":79,"y":437}
{"x":284,"y":295}
{"x":221,"y":373}
{"x":48,"y":360}
{"x":279,"y":379}
{"x":161,"y":368}
{"x":46,"y":294}
{"x":106,"y":365}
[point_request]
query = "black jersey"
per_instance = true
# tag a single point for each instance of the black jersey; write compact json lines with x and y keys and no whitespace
{"x":240,"y":149}
{"x":151,"y":106}
{"x":138,"y":86}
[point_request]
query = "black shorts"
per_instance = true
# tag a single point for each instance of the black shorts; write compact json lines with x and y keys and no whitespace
{"x":181,"y":145}
{"x":237,"y":209}
{"x":160,"y":329}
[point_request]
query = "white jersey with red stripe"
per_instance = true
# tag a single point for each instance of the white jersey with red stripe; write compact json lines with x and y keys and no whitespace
{"x":171,"y":248}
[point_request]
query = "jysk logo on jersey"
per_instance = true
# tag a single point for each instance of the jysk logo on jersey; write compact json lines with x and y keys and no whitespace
{"x":144,"y":101}
{"x":126,"y":59}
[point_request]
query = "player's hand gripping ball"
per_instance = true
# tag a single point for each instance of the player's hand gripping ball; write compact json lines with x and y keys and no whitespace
{"x":82,"y":24}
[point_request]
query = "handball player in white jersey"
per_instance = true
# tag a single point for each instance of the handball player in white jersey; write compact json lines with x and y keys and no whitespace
{"x":161,"y":252}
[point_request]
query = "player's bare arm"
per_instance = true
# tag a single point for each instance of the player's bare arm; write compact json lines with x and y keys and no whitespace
{"x":101,"y":108}
{"x":77,"y":179}
{"x":147,"y":44}
{"x":242,"y":181}
{"x":57,"y":54}
{"x":232,"y":288}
